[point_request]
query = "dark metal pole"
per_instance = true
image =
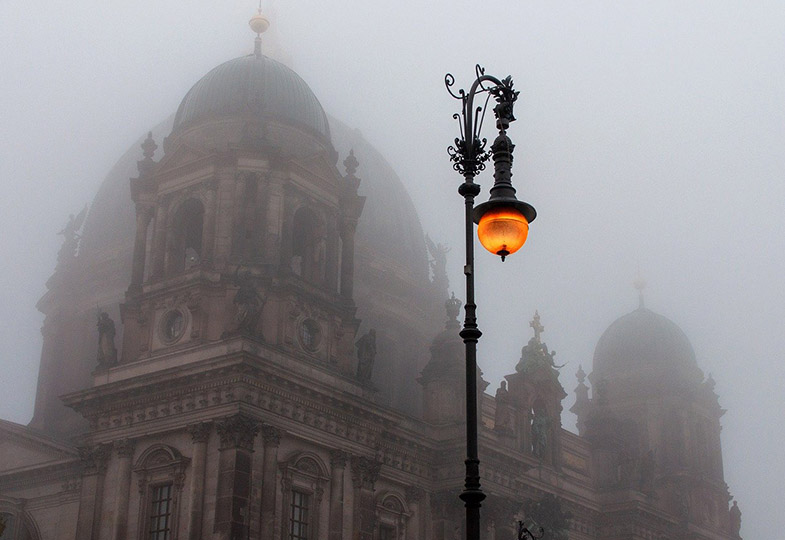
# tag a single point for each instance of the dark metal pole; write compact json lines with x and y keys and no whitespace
{"x":469,"y":157}
{"x":472,"y":495}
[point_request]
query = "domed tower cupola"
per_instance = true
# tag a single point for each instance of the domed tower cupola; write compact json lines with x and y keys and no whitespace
{"x":654,"y":421}
{"x":245,"y":227}
{"x":644,"y":353}
{"x":252,"y":101}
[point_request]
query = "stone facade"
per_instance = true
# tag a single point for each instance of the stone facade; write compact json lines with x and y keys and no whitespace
{"x":235,"y":397}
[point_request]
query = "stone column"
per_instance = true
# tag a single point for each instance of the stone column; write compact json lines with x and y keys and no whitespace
{"x":208,"y":228}
{"x":414,"y":496}
{"x":338,"y":466}
{"x":125,"y":453}
{"x":273,"y":228}
{"x":272,"y":439}
{"x":351,"y":208}
{"x":200,"y":433}
{"x":143,"y":216}
{"x":234,"y":476}
{"x":348,"y":229}
{"x":158,"y":253}
{"x":91,"y":495}
{"x":365,"y":472}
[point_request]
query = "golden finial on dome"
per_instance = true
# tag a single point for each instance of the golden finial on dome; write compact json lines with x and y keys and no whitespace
{"x":259,"y":24}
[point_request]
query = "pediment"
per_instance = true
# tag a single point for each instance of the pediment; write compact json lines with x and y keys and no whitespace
{"x":182,"y":155}
{"x":317,"y":165}
{"x":22,"y":448}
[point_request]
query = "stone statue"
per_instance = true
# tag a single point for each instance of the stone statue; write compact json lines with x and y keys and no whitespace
{"x":366,"y":353}
{"x":438,"y":262}
{"x":735,"y":520}
{"x":539,"y":431}
{"x":248,"y":303}
{"x":70,"y":236}
{"x":503,"y":418}
{"x":107,"y":353}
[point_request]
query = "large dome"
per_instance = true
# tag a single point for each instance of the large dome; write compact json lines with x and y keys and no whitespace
{"x":644,"y":344}
{"x":253,"y":86}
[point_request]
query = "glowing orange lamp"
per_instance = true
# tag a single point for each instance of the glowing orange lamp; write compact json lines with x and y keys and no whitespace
{"x":503,"y":220}
{"x":503,"y":231}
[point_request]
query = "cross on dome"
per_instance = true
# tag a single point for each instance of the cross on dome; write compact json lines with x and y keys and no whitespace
{"x":535,"y":324}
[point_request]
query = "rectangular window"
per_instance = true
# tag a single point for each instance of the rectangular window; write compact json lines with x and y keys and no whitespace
{"x":161,"y":513}
{"x":386,"y":532}
{"x":298,"y":523}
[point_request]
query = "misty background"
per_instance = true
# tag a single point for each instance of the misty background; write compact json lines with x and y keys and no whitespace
{"x":650,"y":136}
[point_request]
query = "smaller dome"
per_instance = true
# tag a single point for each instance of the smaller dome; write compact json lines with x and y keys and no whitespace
{"x":253,"y":86}
{"x":642,"y":344}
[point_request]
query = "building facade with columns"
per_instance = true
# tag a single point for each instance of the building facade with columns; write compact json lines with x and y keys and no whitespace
{"x":276,"y":357}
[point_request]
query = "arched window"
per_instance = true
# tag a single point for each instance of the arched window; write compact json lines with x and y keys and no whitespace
{"x":186,"y":247}
{"x":16,"y":524}
{"x":391,"y":517}
{"x":309,"y":246}
{"x":160,"y":474}
{"x":303,"y":483}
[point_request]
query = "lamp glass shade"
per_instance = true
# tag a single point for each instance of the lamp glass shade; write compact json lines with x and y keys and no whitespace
{"x":503,"y":230}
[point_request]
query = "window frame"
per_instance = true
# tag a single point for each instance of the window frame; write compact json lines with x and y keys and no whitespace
{"x":158,"y":466}
{"x":304,"y":473}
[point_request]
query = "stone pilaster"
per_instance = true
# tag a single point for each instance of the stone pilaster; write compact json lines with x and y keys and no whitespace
{"x":125,"y":453}
{"x":365,"y":472}
{"x":143,"y":216}
{"x":414,"y":497}
{"x":234,"y":475}
{"x":91,"y":495}
{"x":338,"y":466}
{"x":271,"y":437}
{"x":200,"y":434}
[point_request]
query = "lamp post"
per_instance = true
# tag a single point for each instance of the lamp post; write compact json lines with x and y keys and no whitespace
{"x":503,"y":225}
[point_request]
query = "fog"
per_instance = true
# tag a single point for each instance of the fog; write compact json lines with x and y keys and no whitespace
{"x":650,"y":137}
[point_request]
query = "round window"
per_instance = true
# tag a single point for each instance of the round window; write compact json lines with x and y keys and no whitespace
{"x":172,"y":326}
{"x":310,"y":334}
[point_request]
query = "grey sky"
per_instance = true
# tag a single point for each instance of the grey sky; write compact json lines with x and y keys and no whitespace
{"x":649,"y":134}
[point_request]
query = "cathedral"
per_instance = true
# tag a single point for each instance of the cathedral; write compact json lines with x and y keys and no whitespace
{"x":249,"y":336}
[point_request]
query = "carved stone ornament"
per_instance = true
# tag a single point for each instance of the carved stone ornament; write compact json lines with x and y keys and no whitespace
{"x":94,"y":458}
{"x":271,"y":436}
{"x":365,"y":472}
{"x":338,"y":458}
{"x":200,"y":431}
{"x":414,"y":494}
{"x":124,"y":448}
{"x":237,"y":431}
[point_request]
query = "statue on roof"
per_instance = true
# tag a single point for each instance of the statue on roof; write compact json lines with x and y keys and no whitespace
{"x":502,"y":422}
{"x":539,"y":431}
{"x":107,"y":353}
{"x":438,"y":262}
{"x":735,"y":520}
{"x":366,"y":354}
{"x":535,"y":354}
{"x":71,"y":236}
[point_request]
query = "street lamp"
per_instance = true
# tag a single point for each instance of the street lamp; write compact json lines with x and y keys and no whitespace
{"x":503,"y":227}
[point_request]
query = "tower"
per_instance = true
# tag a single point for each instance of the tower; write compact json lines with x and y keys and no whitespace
{"x":654,"y":422}
{"x":536,"y":394}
